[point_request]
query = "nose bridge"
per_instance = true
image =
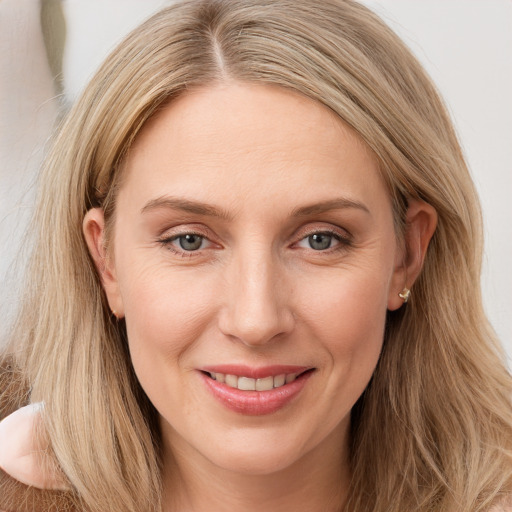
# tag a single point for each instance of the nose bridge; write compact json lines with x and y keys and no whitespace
{"x":257,"y":308}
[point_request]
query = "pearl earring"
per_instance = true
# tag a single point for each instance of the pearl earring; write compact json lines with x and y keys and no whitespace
{"x":405,"y":294}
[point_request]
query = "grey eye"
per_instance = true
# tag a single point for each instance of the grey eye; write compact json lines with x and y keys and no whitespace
{"x":320,"y":241}
{"x":190,"y":242}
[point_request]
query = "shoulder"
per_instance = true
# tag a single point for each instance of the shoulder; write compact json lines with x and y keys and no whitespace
{"x":24,"y":450}
{"x":26,"y":482}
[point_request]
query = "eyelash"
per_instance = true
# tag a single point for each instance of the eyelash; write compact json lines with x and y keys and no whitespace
{"x":167,"y":243}
{"x":344,"y":242}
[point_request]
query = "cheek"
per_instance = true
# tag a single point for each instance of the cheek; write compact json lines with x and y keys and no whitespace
{"x":165,"y":311}
{"x":353,"y":338}
{"x":348,"y":304}
{"x":347,"y":317}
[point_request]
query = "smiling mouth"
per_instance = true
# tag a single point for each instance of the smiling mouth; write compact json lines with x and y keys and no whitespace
{"x":256,"y":391}
{"x":251,"y":384}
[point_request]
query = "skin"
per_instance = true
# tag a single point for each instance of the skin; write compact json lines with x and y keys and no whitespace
{"x":256,"y":292}
{"x":24,"y":453}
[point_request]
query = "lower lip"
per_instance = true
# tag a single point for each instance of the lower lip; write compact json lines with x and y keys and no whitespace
{"x":256,"y":403}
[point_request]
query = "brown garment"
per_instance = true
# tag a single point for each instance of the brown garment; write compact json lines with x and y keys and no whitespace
{"x":15,"y":496}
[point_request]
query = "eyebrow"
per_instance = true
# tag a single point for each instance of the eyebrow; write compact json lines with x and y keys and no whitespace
{"x":199,"y":208}
{"x":340,"y":203}
{"x":185,"y":205}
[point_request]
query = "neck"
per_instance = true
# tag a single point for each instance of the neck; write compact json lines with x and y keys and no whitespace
{"x":318,"y":482}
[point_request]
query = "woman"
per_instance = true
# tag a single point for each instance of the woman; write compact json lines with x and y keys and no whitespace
{"x":243,"y":200}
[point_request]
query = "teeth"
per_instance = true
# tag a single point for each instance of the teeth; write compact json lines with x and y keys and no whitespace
{"x":291,"y":377}
{"x":231,"y":381}
{"x":249,"y":384}
{"x":279,"y":380}
{"x":246,"y":384}
{"x":265,"y":384}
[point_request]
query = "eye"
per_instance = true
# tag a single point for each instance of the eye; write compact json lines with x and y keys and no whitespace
{"x":185,"y":243}
{"x":322,"y":241}
{"x":188,"y":242}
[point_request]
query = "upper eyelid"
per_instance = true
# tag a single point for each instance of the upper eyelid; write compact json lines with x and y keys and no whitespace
{"x":173,"y":238}
{"x":189,"y":229}
{"x":203,"y":231}
{"x":332,"y":230}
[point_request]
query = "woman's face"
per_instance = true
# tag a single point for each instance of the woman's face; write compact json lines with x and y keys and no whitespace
{"x":253,"y":243}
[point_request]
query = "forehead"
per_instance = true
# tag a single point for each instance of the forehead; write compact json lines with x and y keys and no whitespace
{"x":243,"y":140}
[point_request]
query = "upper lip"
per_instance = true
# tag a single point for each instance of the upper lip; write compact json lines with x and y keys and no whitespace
{"x":255,"y":372}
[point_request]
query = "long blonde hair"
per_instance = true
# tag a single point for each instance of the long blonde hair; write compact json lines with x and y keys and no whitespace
{"x":433,"y":429}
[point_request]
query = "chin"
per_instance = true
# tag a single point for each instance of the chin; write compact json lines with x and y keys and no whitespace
{"x":257,"y":450}
{"x":257,"y":463}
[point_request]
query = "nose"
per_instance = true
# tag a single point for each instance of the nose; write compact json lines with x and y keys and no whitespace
{"x":257,"y":308}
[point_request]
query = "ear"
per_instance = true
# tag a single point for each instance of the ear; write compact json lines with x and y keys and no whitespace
{"x":421,"y":222}
{"x":94,"y":232}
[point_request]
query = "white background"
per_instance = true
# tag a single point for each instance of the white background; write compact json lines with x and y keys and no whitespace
{"x":466,"y":46}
